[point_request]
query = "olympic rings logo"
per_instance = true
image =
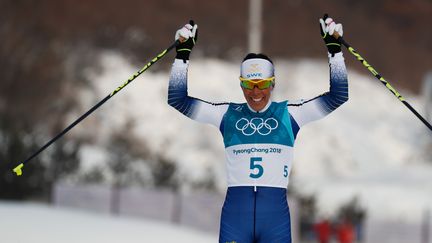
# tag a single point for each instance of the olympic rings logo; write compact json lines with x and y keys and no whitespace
{"x":256,"y":124}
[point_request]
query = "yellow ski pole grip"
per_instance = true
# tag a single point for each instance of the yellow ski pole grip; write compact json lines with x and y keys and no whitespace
{"x":18,"y":169}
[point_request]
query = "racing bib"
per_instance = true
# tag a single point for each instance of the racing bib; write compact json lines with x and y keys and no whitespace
{"x":258,"y":165}
{"x":258,"y":146}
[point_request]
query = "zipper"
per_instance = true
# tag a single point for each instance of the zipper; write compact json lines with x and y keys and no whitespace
{"x":254,"y":219}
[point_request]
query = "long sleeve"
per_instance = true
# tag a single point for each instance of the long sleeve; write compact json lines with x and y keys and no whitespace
{"x":304,"y":112}
{"x":196,"y":109}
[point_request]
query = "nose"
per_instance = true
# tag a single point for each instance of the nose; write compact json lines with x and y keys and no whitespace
{"x":256,"y":90}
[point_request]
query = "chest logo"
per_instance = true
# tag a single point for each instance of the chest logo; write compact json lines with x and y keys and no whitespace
{"x":256,"y":125}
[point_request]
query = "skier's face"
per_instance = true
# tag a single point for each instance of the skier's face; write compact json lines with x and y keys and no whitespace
{"x":257,"y":98}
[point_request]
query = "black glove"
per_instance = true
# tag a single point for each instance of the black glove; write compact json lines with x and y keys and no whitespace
{"x":188,"y":36}
{"x":330,"y":32}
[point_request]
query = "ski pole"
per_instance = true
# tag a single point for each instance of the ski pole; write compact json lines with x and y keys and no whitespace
{"x":380,"y":78}
{"x":18,"y":169}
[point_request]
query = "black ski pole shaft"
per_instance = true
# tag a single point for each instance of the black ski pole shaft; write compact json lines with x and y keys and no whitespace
{"x":385,"y":83}
{"x":380,"y":78}
{"x":18,"y":169}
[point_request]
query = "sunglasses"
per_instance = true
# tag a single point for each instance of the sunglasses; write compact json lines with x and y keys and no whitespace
{"x":260,"y":83}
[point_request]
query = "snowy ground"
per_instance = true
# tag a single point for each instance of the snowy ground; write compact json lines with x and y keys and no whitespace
{"x":372,"y":147}
{"x":35,"y":223}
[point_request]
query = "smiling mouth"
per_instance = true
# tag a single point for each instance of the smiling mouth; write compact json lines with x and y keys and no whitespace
{"x":257,"y":100}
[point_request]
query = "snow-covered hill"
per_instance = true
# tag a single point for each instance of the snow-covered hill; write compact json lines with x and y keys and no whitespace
{"x":372,"y":147}
{"x":22,"y":223}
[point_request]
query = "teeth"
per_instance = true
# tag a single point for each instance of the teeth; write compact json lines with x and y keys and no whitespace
{"x":257,"y":100}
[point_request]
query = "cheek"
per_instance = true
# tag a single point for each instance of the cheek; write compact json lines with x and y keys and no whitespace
{"x":246,"y":92}
{"x":267,"y":92}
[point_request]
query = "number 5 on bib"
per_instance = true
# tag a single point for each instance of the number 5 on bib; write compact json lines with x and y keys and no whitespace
{"x":257,"y":169}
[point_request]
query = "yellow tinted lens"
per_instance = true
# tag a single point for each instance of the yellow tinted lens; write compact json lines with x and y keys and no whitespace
{"x":261,"y":84}
{"x":247,"y":84}
{"x":264,"y":84}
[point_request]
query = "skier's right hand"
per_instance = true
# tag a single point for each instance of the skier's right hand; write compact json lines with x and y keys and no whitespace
{"x":187,"y":36}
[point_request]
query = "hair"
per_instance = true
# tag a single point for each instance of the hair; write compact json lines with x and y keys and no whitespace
{"x":257,"y":55}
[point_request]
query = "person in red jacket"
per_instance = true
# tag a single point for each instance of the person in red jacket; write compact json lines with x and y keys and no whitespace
{"x":323,"y":231}
{"x":345,"y":232}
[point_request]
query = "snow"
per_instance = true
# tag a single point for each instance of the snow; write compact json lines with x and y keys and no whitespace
{"x":36,"y":223}
{"x":372,"y":147}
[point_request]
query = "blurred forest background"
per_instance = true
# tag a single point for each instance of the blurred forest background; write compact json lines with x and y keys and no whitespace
{"x":47,"y":46}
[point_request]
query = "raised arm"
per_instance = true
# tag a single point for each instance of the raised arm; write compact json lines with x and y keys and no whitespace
{"x":306,"y":111}
{"x":178,"y":97}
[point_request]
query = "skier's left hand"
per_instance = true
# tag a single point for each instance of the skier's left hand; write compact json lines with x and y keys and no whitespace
{"x":330,"y":32}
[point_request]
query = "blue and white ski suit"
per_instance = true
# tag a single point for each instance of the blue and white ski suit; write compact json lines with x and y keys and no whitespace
{"x":259,"y":152}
